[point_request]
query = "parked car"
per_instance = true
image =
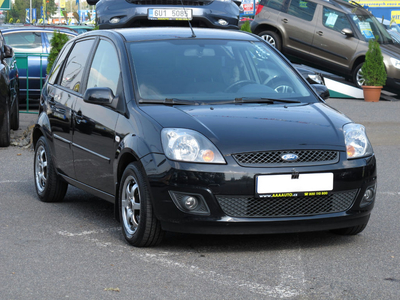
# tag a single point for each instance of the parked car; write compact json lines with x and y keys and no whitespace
{"x":329,"y":35}
{"x":80,"y":28}
{"x":32,"y":45}
{"x":186,"y":134}
{"x":222,"y":14}
{"x":9,"y":90}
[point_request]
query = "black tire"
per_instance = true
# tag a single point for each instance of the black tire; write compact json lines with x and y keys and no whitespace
{"x":351,"y":230}
{"x":15,"y":115}
{"x":357,"y":77}
{"x":139,"y":224}
{"x":49,"y":186}
{"x":5,"y":129}
{"x":272,"y":38}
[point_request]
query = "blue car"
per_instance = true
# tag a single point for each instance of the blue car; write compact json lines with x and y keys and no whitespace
{"x":31,"y":46}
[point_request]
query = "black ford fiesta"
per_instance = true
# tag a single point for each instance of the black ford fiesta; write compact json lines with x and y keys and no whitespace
{"x":189,"y":131}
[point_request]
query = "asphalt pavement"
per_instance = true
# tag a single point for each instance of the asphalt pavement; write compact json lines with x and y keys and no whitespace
{"x":75,"y":249}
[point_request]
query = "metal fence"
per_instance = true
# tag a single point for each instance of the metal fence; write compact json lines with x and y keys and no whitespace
{"x":32,"y":74}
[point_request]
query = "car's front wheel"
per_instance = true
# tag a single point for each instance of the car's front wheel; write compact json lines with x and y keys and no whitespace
{"x":358,"y":78}
{"x":5,"y":129}
{"x":272,"y":38}
{"x":49,"y":186}
{"x":140,"y":227}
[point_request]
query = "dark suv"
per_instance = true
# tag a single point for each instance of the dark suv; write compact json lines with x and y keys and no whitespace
{"x":9,"y":90}
{"x":330,"y":35}
{"x":223,"y":14}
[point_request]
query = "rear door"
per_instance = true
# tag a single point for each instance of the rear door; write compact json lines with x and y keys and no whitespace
{"x":94,"y":136}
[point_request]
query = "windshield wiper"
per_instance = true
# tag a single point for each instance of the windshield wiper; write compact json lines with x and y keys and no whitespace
{"x":263,"y":100}
{"x":169,"y":101}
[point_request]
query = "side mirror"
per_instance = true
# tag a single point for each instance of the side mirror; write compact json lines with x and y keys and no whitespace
{"x":99,"y":95}
{"x":347,"y":32}
{"x":8,"y":51}
{"x":92,"y":2}
{"x":321,"y":90}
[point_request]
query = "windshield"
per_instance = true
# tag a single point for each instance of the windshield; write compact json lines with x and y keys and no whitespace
{"x":204,"y":71}
{"x":371,"y":28}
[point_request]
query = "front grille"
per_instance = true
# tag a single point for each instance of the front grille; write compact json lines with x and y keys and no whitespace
{"x":171,"y":2}
{"x":274,"y":158}
{"x":250,"y":207}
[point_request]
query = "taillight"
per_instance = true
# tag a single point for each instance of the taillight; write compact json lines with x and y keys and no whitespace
{"x":259,"y":8}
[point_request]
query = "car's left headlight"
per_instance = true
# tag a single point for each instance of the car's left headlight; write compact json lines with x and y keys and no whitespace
{"x":190,"y":146}
{"x":316,"y":78}
{"x":395,"y":62}
{"x":356,"y":140}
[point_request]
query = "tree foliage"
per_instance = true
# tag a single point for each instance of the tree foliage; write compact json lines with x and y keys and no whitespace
{"x":57,"y":42}
{"x":373,"y":69}
{"x":18,"y":9}
{"x":246,"y":26}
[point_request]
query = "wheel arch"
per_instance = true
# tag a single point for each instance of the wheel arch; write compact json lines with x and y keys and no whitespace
{"x":267,"y":27}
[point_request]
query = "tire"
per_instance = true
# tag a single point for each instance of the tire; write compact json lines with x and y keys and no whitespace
{"x":15,"y":115}
{"x":139,"y":224}
{"x":351,"y":230}
{"x":5,"y":129}
{"x":358,"y":80}
{"x":49,"y":186}
{"x":271,"y":38}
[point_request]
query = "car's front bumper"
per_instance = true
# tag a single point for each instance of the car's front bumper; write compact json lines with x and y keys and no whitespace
{"x":225,"y":187}
{"x":205,"y":16}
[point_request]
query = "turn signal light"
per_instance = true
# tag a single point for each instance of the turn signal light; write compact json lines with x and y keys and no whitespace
{"x":350,"y":151}
{"x":208,"y":156}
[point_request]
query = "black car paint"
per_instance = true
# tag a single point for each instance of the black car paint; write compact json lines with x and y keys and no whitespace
{"x":133,"y":134}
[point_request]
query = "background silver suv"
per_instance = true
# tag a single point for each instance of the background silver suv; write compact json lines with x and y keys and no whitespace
{"x":329,"y":35}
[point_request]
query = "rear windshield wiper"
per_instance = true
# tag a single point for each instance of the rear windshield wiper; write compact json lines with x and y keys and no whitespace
{"x":169,"y":101}
{"x":264,"y":100}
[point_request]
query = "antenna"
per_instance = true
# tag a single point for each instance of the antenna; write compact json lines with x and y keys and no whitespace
{"x":190,"y":24}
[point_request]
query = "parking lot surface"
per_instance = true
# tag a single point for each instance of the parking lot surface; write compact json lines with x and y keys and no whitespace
{"x":75,"y":249}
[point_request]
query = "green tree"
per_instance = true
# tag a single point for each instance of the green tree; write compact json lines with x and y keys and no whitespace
{"x":57,"y":42}
{"x":373,"y":69}
{"x":18,"y":9}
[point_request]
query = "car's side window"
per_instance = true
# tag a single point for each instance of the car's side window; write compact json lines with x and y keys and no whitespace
{"x":105,"y":69}
{"x":73,"y":71}
{"x":302,"y":9}
{"x":335,"y":20}
{"x":30,"y":42}
{"x":275,"y":4}
{"x":58,"y":64}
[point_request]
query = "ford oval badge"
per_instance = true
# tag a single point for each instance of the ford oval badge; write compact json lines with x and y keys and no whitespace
{"x":289,"y":157}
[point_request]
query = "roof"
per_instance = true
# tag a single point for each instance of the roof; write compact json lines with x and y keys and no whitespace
{"x":37,"y":28}
{"x":164,"y":33}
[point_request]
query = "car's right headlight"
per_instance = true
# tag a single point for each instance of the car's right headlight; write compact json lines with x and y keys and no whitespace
{"x":395,"y":62}
{"x":356,"y":140}
{"x":188,"y":145}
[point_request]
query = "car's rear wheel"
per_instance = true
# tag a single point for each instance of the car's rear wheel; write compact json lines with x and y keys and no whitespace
{"x":5,"y":129}
{"x":140,"y":227}
{"x":15,"y":115}
{"x":358,"y":78}
{"x":351,"y":230}
{"x":272,"y":38}
{"x":49,"y":186}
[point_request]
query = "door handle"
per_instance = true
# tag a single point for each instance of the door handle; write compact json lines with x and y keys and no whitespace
{"x":320,"y":33}
{"x":285,"y":20}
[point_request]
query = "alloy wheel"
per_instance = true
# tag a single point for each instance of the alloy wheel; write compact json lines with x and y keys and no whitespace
{"x":41,"y":170}
{"x":130,"y":205}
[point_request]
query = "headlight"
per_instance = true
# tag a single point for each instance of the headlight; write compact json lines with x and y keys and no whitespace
{"x":357,"y":143}
{"x":395,"y":62}
{"x":188,"y":145}
{"x":316,"y":78}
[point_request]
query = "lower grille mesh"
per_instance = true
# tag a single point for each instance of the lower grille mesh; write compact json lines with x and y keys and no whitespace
{"x":248,"y":206}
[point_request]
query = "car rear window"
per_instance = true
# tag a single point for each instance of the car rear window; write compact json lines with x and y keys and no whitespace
{"x":30,"y":42}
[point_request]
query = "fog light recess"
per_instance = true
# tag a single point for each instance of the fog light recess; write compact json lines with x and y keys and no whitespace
{"x":222,"y":22}
{"x":115,"y":20}
{"x":369,"y":196}
{"x":190,"y":203}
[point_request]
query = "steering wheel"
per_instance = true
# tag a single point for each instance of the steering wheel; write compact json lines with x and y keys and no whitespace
{"x":238,"y":83}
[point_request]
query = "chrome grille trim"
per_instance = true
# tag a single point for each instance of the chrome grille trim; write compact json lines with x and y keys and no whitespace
{"x":250,"y":207}
{"x":171,"y":2}
{"x":274,"y":158}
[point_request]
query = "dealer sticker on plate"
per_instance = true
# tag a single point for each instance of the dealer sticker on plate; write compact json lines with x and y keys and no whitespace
{"x":287,"y":183}
{"x":169,"y":14}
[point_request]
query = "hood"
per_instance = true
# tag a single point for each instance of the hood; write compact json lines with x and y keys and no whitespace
{"x":240,"y":128}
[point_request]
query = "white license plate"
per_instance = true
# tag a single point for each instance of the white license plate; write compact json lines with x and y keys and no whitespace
{"x":270,"y":184}
{"x":169,"y":14}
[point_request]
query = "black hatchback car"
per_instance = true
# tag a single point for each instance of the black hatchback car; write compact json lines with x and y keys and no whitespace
{"x":183,"y":132}
{"x":223,"y":14}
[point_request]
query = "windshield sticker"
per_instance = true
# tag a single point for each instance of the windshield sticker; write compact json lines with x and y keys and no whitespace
{"x":303,"y":4}
{"x":366,"y":30}
{"x":331,"y":20}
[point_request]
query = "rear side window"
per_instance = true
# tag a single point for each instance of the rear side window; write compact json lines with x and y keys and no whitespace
{"x":28,"y":42}
{"x":275,"y":4}
{"x":335,"y":20}
{"x":74,"y":68}
{"x":302,"y":9}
